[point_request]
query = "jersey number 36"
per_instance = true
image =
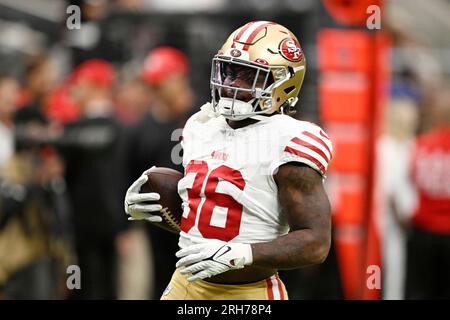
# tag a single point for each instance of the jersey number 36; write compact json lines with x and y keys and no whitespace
{"x":212,"y":199}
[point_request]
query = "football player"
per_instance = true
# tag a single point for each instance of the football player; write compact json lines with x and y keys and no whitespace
{"x":253,"y":194}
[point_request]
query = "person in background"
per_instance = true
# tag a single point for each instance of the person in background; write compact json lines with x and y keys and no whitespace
{"x":31,"y":121}
{"x":39,"y":80}
{"x":153,"y":140}
{"x":34,"y":246}
{"x":91,"y":147}
{"x":165,"y":73}
{"x":60,"y":107}
{"x":132,"y":100}
{"x":428,"y":258}
{"x":395,"y":149}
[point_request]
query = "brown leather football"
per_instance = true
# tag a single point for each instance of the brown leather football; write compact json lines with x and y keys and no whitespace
{"x":165,"y":182}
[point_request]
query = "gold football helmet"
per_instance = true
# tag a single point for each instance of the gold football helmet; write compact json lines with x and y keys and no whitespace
{"x":259,"y":70}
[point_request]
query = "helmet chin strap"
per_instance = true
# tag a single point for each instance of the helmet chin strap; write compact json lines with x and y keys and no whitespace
{"x":225,"y":106}
{"x":233,"y":109}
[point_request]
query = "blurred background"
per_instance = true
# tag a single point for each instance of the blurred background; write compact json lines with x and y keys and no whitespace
{"x":89,"y":101}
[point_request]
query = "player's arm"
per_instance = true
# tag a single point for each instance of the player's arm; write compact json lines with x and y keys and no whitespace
{"x":305,"y":204}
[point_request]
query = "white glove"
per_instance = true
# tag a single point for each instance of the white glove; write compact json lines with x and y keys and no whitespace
{"x":135,"y":205}
{"x":213,"y":257}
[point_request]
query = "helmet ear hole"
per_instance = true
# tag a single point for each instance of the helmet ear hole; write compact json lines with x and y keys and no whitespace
{"x":289,"y":90}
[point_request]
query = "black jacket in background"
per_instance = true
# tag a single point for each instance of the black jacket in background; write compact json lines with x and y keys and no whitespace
{"x":95,"y":177}
{"x":150,"y":144}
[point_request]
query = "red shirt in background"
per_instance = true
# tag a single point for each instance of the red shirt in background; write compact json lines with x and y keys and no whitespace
{"x":431,"y":175}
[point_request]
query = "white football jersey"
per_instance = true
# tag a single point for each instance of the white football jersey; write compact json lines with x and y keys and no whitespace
{"x":228,"y":189}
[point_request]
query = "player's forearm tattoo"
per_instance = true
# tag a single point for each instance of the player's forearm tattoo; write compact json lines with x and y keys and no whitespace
{"x":305,"y":204}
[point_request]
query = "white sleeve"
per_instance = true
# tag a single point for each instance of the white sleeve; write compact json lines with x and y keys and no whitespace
{"x":310,"y":146}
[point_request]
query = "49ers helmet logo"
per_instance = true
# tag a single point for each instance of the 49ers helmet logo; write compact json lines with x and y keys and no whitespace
{"x":290,"y":49}
{"x":235,"y":53}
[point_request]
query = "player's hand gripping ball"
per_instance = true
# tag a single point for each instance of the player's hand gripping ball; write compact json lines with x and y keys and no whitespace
{"x":154,"y":197}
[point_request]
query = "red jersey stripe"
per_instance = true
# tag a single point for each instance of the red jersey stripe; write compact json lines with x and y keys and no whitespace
{"x":314,"y":148}
{"x":241,"y":32}
{"x":269,"y":288}
{"x":315,"y":138}
{"x":306,"y":156}
{"x":253,"y":35}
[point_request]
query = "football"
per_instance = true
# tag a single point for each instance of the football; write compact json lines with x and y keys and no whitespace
{"x":165,"y":182}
